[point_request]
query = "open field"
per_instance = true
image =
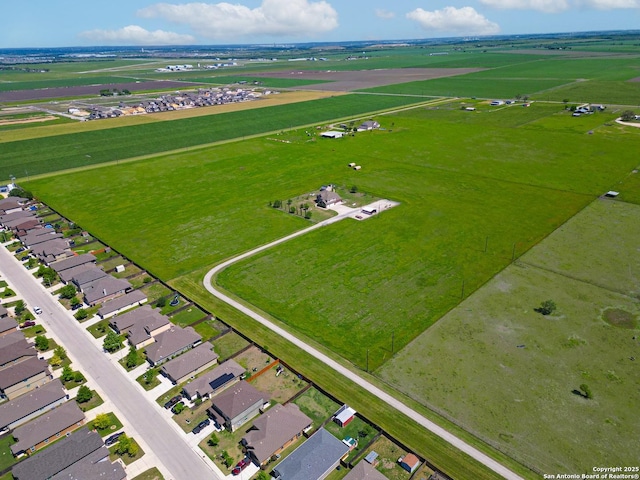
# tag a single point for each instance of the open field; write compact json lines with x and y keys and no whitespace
{"x":532,"y":362}
{"x":50,"y":154}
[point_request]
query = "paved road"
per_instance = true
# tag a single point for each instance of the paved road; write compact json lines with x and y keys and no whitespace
{"x":391,"y":401}
{"x":166,"y":443}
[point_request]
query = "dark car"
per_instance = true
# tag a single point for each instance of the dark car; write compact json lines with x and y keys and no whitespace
{"x":172,"y":402}
{"x":20,"y":250}
{"x":113,"y":439}
{"x":28,"y":323}
{"x":242,"y":464}
{"x":198,"y":428}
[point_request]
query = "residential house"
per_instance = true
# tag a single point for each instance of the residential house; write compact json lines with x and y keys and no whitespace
{"x":171,"y":343}
{"x":327,"y":198}
{"x":191,"y":363}
{"x":364,"y":471}
{"x":272,"y":432}
{"x":67,"y":275}
{"x":62,"y":265}
{"x":141,"y":325}
{"x":87,"y":276}
{"x":104,"y":289}
{"x":47,"y":428}
{"x":122,"y":303}
{"x":368,"y":125}
{"x":7,"y":324}
{"x":23,"y":377}
{"x":81,"y":444}
{"x":237,"y":405}
{"x":94,"y":466}
{"x":314,"y":459}
{"x":20,"y":222}
{"x":11,"y":205}
{"x":409,"y":462}
{"x":344,"y":415}
{"x":52,"y":250}
{"x":33,"y":238}
{"x":214,"y":381}
{"x":30,"y":405}
{"x":16,"y":352}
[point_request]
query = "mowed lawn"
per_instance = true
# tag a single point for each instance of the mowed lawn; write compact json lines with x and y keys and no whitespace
{"x":508,"y":373}
{"x":464,"y":180}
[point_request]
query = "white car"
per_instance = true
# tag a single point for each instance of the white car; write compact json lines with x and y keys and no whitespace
{"x":38,"y":310}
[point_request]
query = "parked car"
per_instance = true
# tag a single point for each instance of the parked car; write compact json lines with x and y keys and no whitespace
{"x":113,"y":439}
{"x":28,"y":323}
{"x":198,"y":428}
{"x":20,"y":250}
{"x":172,"y":402}
{"x":242,"y":464}
{"x":38,"y":310}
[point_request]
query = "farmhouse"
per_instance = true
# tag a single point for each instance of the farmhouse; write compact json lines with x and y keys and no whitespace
{"x":190,"y":363}
{"x":171,"y":343}
{"x":314,"y":459}
{"x":210,"y":383}
{"x":47,"y":428}
{"x":22,"y":377}
{"x":274,"y":431}
{"x":368,"y":125}
{"x":236,"y":405}
{"x":327,"y":197}
{"x":32,"y":404}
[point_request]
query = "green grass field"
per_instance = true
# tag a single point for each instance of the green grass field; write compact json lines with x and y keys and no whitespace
{"x":51,"y":154}
{"x":469,"y":365}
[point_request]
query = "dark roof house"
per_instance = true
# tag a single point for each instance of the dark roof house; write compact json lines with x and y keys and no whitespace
{"x":23,"y":377}
{"x":104,"y":289}
{"x":190,"y":363}
{"x":122,"y":303}
{"x":237,"y":405}
{"x":30,"y":405}
{"x":364,"y":471}
{"x":214,"y":381}
{"x":16,"y":352}
{"x":170,"y":343}
{"x":140,"y":325}
{"x":71,"y":262}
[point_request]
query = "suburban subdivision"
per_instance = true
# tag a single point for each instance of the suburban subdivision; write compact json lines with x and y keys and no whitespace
{"x":418,"y":263}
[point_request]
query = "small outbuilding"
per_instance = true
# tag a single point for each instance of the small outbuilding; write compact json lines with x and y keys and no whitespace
{"x":332,"y":134}
{"x":409,"y":462}
{"x":344,"y":415}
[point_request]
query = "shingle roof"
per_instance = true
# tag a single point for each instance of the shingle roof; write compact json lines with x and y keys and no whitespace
{"x":16,"y":350}
{"x":68,"y":274}
{"x":32,"y":239}
{"x":88,"y":468}
{"x":274,"y":429}
{"x":311,"y":460}
{"x":31,"y":402}
{"x":237,"y":399}
{"x":8,"y":217}
{"x":46,"y":426}
{"x":6,"y":323}
{"x":130,"y":298}
{"x":21,"y":371}
{"x":206,"y":383}
{"x":171,"y":341}
{"x":364,"y":471}
{"x":88,"y":275}
{"x":190,"y":361}
{"x":10,"y":338}
{"x":59,"y":456}
{"x":104,"y":287}
{"x":67,"y":263}
{"x":21,"y":220}
{"x":55,"y":246}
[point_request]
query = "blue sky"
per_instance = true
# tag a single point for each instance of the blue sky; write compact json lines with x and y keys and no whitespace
{"x":60,"y":23}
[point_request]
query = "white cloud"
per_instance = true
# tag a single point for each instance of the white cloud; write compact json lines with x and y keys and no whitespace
{"x":463,"y":21}
{"x":547,"y":6}
{"x":554,"y":6}
{"x":386,"y":14}
{"x":135,"y":35}
{"x":272,"y":17}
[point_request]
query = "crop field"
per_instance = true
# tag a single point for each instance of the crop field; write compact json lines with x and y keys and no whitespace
{"x":264,"y":81}
{"x":50,"y":154}
{"x":509,"y":373}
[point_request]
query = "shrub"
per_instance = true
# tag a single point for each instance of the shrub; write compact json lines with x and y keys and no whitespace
{"x":19,"y":308}
{"x":213,"y":440}
{"x":84,"y":394}
{"x":112,"y":342}
{"x":101,"y":421}
{"x":546,"y":308}
{"x":68,"y":292}
{"x":78,"y":377}
{"x":81,"y":314}
{"x":161,"y":302}
{"x":67,"y":374}
{"x":42,"y":342}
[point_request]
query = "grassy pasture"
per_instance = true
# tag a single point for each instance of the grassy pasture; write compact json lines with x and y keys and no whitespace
{"x":265,"y":81}
{"x":469,"y":365}
{"x":50,"y":154}
{"x":596,"y":91}
{"x":61,"y":82}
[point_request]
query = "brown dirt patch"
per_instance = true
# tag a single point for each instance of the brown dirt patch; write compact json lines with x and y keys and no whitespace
{"x":347,"y":81}
{"x":45,"y":118}
{"x":620,"y":318}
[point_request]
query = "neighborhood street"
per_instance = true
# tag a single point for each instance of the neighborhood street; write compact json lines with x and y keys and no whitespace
{"x":166,"y":446}
{"x":391,"y":401}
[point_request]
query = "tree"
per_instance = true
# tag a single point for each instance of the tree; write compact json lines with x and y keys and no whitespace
{"x":102,"y":421}
{"x":112,"y":342}
{"x":277,"y":204}
{"x":132,"y":451}
{"x":19,"y":308}
{"x":628,"y":116}
{"x":20,"y":192}
{"x":42,"y":343}
{"x":81,"y":314}
{"x":178,"y":408}
{"x":78,"y":377}
{"x":84,"y":394}
{"x":55,"y":360}
{"x":307,"y":214}
{"x":161,"y":302}
{"x":354,"y":189}
{"x":60,"y":352}
{"x":150,"y":375}
{"x":68,"y":291}
{"x":213,"y":440}
{"x":74,"y":301}
{"x":546,"y":308}
{"x":67,"y":374}
{"x":132,"y":357}
{"x":586,"y":391}
{"x":124,"y":442}
{"x":226,"y":459}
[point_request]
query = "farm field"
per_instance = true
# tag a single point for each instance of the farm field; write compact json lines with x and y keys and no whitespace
{"x":533,"y":363}
{"x":50,"y":154}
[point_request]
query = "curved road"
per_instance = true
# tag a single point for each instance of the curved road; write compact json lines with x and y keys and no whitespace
{"x":391,"y":401}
